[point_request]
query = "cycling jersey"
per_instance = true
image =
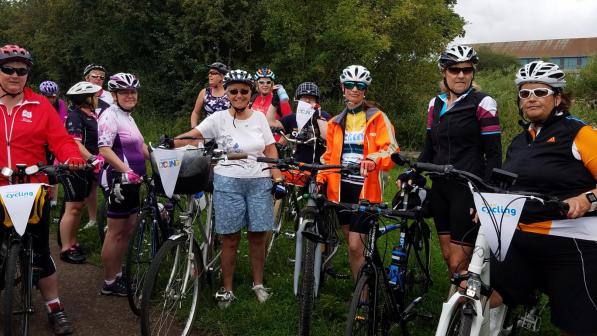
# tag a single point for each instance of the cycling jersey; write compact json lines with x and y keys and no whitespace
{"x":262,"y":103}
{"x":378,"y":144}
{"x":61,"y":108}
{"x":24,"y":132}
{"x":83,"y":128}
{"x":213,"y":104}
{"x":465,"y":135}
{"x":117,"y":129}
{"x":311,"y":152}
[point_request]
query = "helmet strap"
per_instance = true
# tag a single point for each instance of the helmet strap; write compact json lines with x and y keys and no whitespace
{"x":6,"y":93}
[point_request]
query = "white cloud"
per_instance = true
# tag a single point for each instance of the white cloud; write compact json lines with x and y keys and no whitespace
{"x":517,"y":20}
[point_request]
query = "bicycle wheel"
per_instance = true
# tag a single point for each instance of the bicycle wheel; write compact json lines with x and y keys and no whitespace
{"x":142,"y":247}
{"x":102,"y":220}
{"x":17,"y":294}
{"x":57,"y":220}
{"x":461,"y":320}
{"x":366,"y":312}
{"x":418,"y":276}
{"x":171,"y":290}
{"x":279,"y":216}
{"x":307,"y":287}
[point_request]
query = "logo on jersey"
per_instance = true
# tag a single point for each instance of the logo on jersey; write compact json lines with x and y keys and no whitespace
{"x":27,"y":115}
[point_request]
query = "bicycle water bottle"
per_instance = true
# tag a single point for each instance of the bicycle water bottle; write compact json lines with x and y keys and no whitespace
{"x":397,"y":265}
{"x":282,"y":93}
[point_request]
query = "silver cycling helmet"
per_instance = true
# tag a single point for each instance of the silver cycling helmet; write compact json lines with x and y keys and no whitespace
{"x":541,"y":72}
{"x":457,"y":54}
{"x":356,"y":73}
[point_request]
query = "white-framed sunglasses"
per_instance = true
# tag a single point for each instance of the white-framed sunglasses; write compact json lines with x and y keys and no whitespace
{"x":539,"y":93}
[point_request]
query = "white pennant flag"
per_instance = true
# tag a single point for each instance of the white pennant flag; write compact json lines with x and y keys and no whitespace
{"x":168,"y":162}
{"x":18,"y":199}
{"x":505,"y":209}
{"x":304,"y":112}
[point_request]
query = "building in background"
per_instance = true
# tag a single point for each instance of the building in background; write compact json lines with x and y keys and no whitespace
{"x":570,"y":54}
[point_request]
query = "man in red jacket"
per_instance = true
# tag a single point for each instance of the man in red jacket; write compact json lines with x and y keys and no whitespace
{"x":28,"y":123}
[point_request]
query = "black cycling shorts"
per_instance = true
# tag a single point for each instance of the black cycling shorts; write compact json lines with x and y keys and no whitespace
{"x":357,"y":222}
{"x":126,"y":207}
{"x":565,"y":269}
{"x":77,"y":185}
{"x":451,"y":202}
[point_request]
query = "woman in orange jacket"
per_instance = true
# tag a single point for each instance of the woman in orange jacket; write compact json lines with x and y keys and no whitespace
{"x":360,"y":134}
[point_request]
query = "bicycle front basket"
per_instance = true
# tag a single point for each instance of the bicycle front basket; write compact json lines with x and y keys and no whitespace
{"x":195,"y":175}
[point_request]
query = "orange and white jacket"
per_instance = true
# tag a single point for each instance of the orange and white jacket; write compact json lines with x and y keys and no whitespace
{"x":379,"y":144}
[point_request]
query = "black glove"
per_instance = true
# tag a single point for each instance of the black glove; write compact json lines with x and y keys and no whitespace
{"x":166,"y":142}
{"x":415,"y":178}
{"x":279,"y":190}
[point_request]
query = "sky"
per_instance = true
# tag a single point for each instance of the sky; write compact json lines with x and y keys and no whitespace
{"x":521,"y":20}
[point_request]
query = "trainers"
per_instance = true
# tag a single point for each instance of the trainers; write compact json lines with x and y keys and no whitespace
{"x":224,"y":298}
{"x":92,"y":223}
{"x":261,"y":292}
{"x":60,"y":323}
{"x":73,"y":256}
{"x":117,"y":288}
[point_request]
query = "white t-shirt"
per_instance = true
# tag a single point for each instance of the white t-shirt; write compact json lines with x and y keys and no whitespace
{"x":244,"y":136}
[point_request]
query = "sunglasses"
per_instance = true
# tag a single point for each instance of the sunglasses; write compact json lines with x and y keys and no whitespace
{"x":213,"y":73}
{"x":539,"y":93}
{"x":243,"y":92}
{"x":457,"y":70}
{"x":10,"y":70}
{"x":265,"y":82}
{"x":351,"y":85}
{"x":97,"y":77}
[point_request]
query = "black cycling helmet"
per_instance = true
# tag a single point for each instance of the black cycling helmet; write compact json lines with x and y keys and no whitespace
{"x":219,"y":67}
{"x":91,"y":67}
{"x":12,"y":52}
{"x":307,"y":89}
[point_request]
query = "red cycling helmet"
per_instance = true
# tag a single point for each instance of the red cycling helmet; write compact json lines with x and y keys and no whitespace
{"x":12,"y":52}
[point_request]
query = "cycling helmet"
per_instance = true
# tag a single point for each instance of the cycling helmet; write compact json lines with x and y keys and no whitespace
{"x":238,"y":76}
{"x":457,"y":54}
{"x":12,"y":52}
{"x":356,"y":73}
{"x":307,"y":89}
{"x":49,"y":88}
{"x":83,"y":89}
{"x":123,"y":81}
{"x":220,"y":67}
{"x":541,"y":72}
{"x":265,"y":72}
{"x":93,"y":67}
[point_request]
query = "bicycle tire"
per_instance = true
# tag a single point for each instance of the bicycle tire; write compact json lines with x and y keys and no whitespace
{"x":461,"y":320}
{"x":102,"y":220}
{"x":307,"y":288}
{"x":211,"y":247}
{"x":59,"y":220}
{"x":16,"y":294}
{"x":162,"y":295}
{"x":360,"y":320}
{"x":142,"y":247}
{"x":418,"y":273}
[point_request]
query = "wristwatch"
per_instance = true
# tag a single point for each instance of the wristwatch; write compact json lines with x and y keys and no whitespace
{"x":592,"y":199}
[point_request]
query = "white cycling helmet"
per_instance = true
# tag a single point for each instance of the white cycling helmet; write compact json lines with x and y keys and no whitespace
{"x":83,"y":88}
{"x":123,"y":81}
{"x":457,"y":54}
{"x":541,"y":72}
{"x":356,"y":73}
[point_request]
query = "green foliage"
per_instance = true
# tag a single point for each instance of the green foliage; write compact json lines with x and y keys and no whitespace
{"x":585,"y":85}
{"x":494,"y":61}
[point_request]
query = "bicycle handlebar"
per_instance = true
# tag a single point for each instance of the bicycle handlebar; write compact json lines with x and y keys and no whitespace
{"x":280,"y":131}
{"x":286,"y":163}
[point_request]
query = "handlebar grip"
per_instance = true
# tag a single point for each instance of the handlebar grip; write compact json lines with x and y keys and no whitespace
{"x":433,"y":168}
{"x":268,"y":160}
{"x":236,"y":156}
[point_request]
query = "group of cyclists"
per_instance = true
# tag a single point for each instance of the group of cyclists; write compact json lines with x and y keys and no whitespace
{"x":555,"y":154}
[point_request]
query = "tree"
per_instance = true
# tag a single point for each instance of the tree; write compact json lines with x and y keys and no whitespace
{"x":490,"y":60}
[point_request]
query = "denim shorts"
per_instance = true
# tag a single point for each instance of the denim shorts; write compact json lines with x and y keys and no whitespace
{"x":243,"y":202}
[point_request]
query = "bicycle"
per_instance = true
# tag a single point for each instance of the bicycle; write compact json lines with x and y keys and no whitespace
{"x":387,"y":296}
{"x":466,"y":311}
{"x":24,"y":202}
{"x":317,"y":240}
{"x":172,"y":286}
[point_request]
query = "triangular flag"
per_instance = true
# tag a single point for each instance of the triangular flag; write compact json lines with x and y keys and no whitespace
{"x":168,"y":162}
{"x":499,"y":212}
{"x":18,"y":199}
{"x":304,"y":112}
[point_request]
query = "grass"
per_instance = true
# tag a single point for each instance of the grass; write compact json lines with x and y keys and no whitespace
{"x":279,"y":316}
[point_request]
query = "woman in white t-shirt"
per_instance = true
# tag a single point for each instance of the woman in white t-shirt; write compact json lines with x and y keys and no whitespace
{"x":242,"y":191}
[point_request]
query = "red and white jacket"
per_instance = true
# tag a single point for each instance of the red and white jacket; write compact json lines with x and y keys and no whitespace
{"x":31,"y":124}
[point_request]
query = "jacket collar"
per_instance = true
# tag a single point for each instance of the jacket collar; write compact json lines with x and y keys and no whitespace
{"x":369,"y":114}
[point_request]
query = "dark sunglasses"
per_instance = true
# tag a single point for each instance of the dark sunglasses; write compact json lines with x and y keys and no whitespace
{"x":10,"y":70}
{"x":213,"y":73}
{"x":265,"y":82}
{"x":97,"y":77}
{"x":457,"y":70}
{"x":243,"y":92}
{"x":540,"y":93}
{"x":351,"y":85}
